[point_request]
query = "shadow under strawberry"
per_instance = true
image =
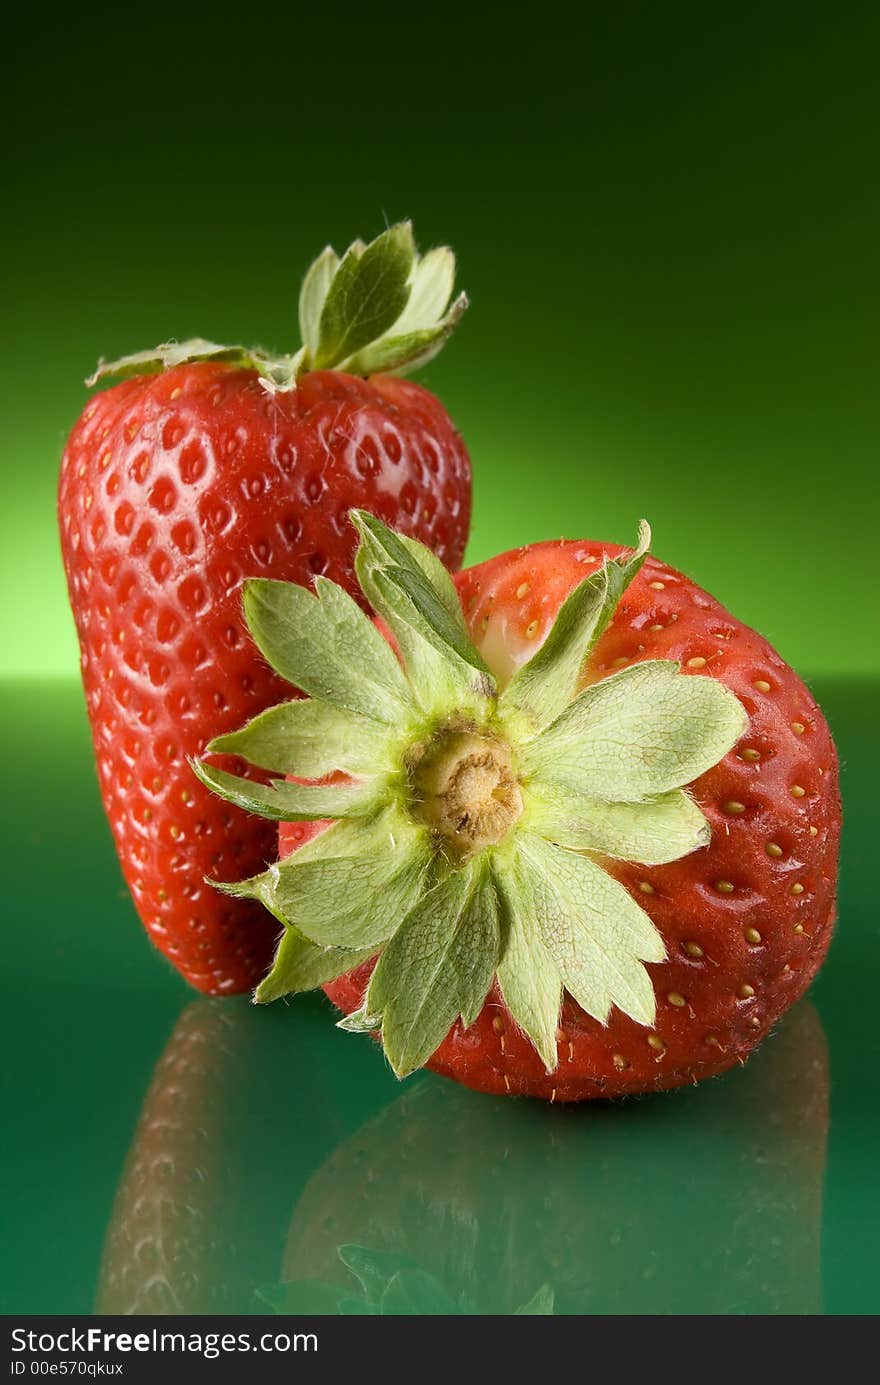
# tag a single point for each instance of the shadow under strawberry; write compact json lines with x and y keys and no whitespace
{"x":702,"y":1201}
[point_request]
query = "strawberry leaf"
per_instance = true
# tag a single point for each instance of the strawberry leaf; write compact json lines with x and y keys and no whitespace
{"x":381,"y":307}
{"x":301,"y":965}
{"x":431,"y":283}
{"x":531,"y":985}
{"x":415,"y":595}
{"x":438,"y":965}
{"x":323,"y":644}
{"x":284,"y":802}
{"x":310,"y":738}
{"x":402,"y":352}
{"x":370,"y":892}
{"x":641,"y":732}
{"x":593,"y":929}
{"x":368,"y":293}
{"x":546,"y":684}
{"x":313,"y":296}
{"x":659,"y":830}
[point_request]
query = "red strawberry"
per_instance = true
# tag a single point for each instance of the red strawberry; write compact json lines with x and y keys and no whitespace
{"x":517,"y":844}
{"x":177,"y":485}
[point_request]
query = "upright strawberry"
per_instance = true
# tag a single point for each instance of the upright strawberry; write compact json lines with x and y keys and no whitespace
{"x":569,"y":779}
{"x":213,"y":464}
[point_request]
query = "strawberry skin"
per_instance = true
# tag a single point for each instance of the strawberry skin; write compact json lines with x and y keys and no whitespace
{"x":747,"y":920}
{"x":174,"y":488}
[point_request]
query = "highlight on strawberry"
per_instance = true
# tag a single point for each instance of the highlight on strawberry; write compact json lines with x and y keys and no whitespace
{"x":205,"y":464}
{"x":535,"y":864}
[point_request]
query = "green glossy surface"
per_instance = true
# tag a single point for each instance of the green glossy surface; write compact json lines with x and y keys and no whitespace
{"x":216,"y":1153}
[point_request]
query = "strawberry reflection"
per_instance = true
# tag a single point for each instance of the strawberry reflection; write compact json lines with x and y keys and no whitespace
{"x":242,"y":1107}
{"x":704,"y":1200}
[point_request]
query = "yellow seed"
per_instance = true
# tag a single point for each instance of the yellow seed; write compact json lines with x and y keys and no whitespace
{"x":646,"y":887}
{"x":619,"y":1062}
{"x":746,"y":991}
{"x":531,"y":629}
{"x":176,"y":393}
{"x":762,"y":685}
{"x":619,"y":662}
{"x":724,"y":886}
{"x":185,"y":796}
{"x":773,"y":850}
{"x":677,"y":999}
{"x":656,"y":1043}
{"x":162,"y":895}
{"x":697,"y":662}
{"x":657,"y":586}
{"x":798,"y":791}
{"x":799,"y":928}
{"x":713,"y":1040}
{"x":655,"y":627}
{"x":797,"y":888}
{"x":734,"y":807}
{"x":749,"y":754}
{"x":174,"y":830}
{"x":693,"y":950}
{"x":521,"y":590}
{"x":498,"y":1024}
{"x":814,"y":831}
{"x":798,"y":728}
{"x":752,"y":935}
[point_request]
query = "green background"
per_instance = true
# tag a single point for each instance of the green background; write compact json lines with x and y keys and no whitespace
{"x":667,"y":220}
{"x":666,"y":216}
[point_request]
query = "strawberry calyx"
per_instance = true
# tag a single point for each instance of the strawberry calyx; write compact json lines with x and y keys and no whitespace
{"x":470,"y":838}
{"x":379,"y":307}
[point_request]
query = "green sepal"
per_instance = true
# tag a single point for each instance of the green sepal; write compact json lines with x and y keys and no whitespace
{"x":359,"y":1022}
{"x":639,"y":733}
{"x":301,"y":965}
{"x":412,"y":591}
{"x":546,"y":684}
{"x":531,"y":986}
{"x":313,"y":295}
{"x":168,"y":355}
{"x":594,"y":930}
{"x":653,"y":832}
{"x":285,"y":802}
{"x":438,"y":966}
{"x":323,"y":644}
{"x":381,"y":307}
{"x":357,"y":900}
{"x":365,"y":297}
{"x":399,"y":353}
{"x":310,"y":738}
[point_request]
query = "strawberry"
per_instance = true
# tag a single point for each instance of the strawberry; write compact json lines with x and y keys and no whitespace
{"x":174,"y":486}
{"x":588,"y":841}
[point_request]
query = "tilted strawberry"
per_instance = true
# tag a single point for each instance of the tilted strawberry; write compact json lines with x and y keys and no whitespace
{"x":227,"y":463}
{"x":591,"y":826}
